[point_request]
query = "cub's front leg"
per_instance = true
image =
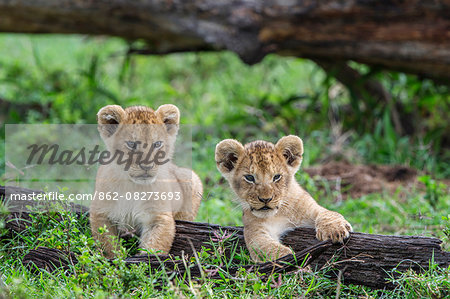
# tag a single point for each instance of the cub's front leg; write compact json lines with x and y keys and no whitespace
{"x":109,"y":238}
{"x":158,"y":233}
{"x":262,"y":245}
{"x":332,"y":226}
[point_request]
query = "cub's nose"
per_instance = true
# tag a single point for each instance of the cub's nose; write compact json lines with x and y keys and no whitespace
{"x":265,"y":200}
{"x":146,"y":167}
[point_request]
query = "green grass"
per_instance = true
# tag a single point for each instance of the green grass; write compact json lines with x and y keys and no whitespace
{"x":223,"y":98}
{"x":94,"y":276}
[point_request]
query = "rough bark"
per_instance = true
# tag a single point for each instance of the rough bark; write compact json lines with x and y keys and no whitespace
{"x":51,"y":259}
{"x":409,"y":35}
{"x":365,"y":259}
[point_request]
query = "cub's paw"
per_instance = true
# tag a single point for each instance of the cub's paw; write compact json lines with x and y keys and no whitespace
{"x":261,"y":255}
{"x":280,"y":252}
{"x":332,"y":226}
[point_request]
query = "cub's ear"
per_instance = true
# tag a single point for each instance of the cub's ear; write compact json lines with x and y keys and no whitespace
{"x":109,"y":118}
{"x":291,"y":147}
{"x":170,"y":115}
{"x":228,"y":152}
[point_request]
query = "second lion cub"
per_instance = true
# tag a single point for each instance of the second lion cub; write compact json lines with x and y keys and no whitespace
{"x":142,"y":189}
{"x":262,"y":176}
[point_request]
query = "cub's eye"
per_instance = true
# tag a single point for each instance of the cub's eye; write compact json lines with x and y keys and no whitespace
{"x":249,"y":178}
{"x":157,"y":144}
{"x":132,"y":145}
{"x":276,"y":177}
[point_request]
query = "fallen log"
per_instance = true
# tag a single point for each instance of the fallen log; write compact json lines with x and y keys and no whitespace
{"x":410,"y":36}
{"x":50,"y":259}
{"x":365,"y":259}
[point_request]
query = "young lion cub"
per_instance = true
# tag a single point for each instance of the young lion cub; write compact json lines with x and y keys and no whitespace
{"x":262,"y":176}
{"x":142,"y":189}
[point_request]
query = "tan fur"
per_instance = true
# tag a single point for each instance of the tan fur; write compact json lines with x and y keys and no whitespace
{"x":290,"y":205}
{"x":153,"y":219}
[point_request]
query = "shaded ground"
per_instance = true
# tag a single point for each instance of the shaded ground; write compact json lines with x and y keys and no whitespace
{"x":357,"y":180}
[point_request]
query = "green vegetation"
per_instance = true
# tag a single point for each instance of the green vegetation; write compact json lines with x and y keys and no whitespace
{"x":68,"y":79}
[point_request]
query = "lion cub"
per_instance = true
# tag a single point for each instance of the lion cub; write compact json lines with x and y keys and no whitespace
{"x":262,"y":176}
{"x":142,"y":189}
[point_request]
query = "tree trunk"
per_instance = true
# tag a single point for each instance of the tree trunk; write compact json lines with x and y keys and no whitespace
{"x":410,"y":36}
{"x":365,"y":259}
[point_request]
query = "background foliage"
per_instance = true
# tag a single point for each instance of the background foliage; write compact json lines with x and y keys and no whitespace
{"x":56,"y":79}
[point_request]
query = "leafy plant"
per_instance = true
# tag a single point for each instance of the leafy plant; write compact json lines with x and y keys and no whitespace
{"x":434,"y":189}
